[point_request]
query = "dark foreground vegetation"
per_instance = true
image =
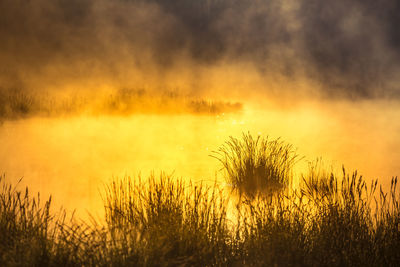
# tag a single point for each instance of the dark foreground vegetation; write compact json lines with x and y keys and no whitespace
{"x":325,"y":220}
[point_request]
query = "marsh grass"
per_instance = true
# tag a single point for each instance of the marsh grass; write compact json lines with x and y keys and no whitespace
{"x":257,"y":164}
{"x":170,"y":220}
{"x":19,"y":104}
{"x":330,"y":219}
{"x":24,"y":227}
{"x":342,"y":221}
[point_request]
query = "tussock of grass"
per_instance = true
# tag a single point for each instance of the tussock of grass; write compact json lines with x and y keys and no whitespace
{"x":257,"y":164}
{"x":329,"y":220}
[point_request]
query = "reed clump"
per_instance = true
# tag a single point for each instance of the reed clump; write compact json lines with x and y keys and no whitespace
{"x":257,"y":164}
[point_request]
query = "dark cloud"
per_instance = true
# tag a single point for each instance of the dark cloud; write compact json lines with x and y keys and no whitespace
{"x":350,"y":47}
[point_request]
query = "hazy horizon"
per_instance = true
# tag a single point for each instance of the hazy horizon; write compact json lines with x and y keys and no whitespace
{"x":95,"y":88}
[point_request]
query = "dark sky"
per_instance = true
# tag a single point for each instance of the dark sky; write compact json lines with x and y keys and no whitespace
{"x":351,"y":48}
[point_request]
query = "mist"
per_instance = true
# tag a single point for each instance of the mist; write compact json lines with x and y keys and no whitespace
{"x":111,"y":77}
{"x":346,"y":49}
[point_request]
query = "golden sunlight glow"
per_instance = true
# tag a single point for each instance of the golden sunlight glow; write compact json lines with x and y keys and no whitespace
{"x":73,"y":157}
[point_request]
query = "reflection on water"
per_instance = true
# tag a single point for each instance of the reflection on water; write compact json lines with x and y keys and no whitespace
{"x":72,"y":158}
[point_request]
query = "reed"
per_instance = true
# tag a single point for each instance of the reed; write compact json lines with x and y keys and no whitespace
{"x":330,"y":219}
{"x":25,"y":232}
{"x":257,"y":164}
{"x":170,"y":220}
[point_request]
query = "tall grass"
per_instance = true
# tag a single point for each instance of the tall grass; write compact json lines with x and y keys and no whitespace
{"x":257,"y":164}
{"x":331,"y":219}
{"x":24,"y":227}
{"x":169,"y":220}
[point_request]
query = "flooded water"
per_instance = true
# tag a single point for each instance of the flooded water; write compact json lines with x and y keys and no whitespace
{"x":72,"y":158}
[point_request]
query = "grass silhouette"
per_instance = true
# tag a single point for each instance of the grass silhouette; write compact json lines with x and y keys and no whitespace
{"x":330,"y":219}
{"x":257,"y":164}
